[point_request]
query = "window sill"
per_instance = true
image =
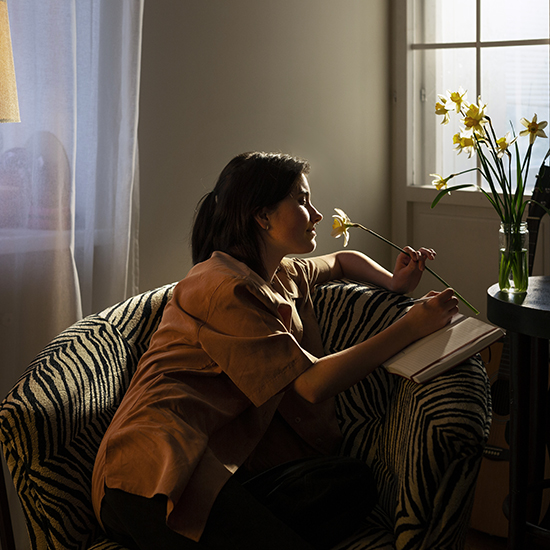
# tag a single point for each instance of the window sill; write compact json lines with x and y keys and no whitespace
{"x":464,"y":197}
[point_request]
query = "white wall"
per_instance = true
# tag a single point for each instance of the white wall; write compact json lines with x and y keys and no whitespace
{"x":306,"y":77}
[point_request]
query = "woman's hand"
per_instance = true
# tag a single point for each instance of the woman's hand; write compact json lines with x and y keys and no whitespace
{"x":409,"y":268}
{"x":336,"y":372}
{"x":435,"y":313}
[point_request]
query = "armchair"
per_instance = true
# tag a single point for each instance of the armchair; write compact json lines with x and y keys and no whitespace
{"x":423,"y":442}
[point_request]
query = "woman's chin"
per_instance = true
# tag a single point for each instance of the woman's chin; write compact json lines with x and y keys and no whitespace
{"x":313,"y":246}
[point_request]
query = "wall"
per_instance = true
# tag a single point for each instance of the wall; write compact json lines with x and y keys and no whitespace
{"x":306,"y":77}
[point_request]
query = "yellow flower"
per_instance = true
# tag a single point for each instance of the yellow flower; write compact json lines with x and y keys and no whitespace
{"x":534,"y":129}
{"x":464,"y":142}
{"x":475,"y":117}
{"x":440,"y":182}
{"x":340,"y":225}
{"x":503,"y":144}
{"x":458,"y":98}
{"x":441,"y":109}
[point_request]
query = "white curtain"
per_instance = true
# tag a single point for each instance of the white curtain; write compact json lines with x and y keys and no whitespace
{"x":68,"y":174}
{"x":68,"y":171}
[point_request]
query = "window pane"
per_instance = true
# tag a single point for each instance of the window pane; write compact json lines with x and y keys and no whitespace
{"x":435,"y":72}
{"x":519,"y":89}
{"x":513,"y":20}
{"x":444,"y":21}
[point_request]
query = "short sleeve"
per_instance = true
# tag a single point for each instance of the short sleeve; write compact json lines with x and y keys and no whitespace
{"x":312,"y":271}
{"x":246,"y":337}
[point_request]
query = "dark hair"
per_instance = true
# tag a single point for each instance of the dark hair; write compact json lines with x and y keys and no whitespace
{"x":225,"y":217}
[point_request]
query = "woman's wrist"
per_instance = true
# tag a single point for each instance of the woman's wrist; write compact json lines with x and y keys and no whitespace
{"x":398,"y":286}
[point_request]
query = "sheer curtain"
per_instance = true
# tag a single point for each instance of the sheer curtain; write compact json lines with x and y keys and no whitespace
{"x":68,"y":171}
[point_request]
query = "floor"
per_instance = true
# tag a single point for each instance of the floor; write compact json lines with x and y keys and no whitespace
{"x":477,"y":540}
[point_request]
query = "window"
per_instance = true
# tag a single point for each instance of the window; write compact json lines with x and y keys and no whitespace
{"x":498,"y":49}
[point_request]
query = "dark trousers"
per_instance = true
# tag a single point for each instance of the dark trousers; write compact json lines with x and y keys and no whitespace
{"x":302,"y":505}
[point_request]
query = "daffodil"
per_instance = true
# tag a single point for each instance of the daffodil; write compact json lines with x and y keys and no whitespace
{"x":533,"y":129}
{"x":464,"y":142}
{"x":441,"y":109}
{"x":475,"y":117}
{"x":340,"y":225}
{"x":506,"y":186}
{"x":440,"y":182}
{"x":503,"y":144}
{"x":458,"y":98}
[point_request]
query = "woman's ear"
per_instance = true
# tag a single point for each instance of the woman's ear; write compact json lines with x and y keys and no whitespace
{"x":262,"y":218}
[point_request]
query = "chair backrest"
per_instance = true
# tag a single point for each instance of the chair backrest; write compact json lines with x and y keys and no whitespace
{"x":53,"y":420}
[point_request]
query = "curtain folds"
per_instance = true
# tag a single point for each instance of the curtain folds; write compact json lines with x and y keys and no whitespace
{"x":69,"y":196}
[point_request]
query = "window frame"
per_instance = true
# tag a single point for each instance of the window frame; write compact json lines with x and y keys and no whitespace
{"x":404,"y":48}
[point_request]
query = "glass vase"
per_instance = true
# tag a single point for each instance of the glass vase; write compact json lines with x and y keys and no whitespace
{"x":513,"y":273}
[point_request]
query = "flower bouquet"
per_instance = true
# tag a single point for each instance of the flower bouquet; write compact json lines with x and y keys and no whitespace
{"x":496,"y":156}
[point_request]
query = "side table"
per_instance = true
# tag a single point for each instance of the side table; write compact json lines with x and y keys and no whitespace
{"x":526,"y":318}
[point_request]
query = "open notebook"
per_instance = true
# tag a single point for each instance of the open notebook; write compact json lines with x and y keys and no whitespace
{"x":462,"y":338}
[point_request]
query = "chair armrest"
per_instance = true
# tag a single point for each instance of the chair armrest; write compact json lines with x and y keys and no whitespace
{"x":424,"y":442}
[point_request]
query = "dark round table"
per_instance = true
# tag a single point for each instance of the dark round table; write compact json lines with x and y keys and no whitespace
{"x":526,"y":319}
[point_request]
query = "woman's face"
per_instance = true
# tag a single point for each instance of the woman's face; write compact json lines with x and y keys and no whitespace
{"x":291,"y":226}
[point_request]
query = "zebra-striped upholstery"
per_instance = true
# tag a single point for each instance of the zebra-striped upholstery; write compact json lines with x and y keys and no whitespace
{"x":424,"y":443}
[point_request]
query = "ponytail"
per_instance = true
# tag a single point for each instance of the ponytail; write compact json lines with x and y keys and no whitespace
{"x":201,"y":238}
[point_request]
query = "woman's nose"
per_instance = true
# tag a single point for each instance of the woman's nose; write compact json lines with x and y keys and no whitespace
{"x":315,"y":215}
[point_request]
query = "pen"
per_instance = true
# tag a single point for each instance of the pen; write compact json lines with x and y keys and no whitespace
{"x":417,"y":301}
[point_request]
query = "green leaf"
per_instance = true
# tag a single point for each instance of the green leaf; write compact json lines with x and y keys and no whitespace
{"x":447,"y":190}
{"x":490,"y":199}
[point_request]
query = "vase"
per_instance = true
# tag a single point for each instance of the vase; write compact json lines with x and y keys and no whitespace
{"x":513,"y":273}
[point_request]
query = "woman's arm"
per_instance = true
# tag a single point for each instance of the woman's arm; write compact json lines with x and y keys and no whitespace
{"x":355,"y":265}
{"x":335,"y":373}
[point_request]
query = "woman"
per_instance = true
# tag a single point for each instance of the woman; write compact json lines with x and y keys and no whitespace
{"x":226,"y":437}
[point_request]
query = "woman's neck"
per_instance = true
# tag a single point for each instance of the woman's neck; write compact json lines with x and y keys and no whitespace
{"x":271,"y":265}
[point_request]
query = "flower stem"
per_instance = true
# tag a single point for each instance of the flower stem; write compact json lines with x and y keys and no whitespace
{"x":427,"y":268}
